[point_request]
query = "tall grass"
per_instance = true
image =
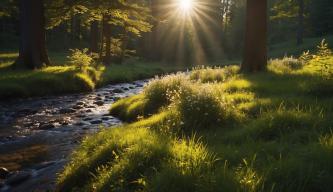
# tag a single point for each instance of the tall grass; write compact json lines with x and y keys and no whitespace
{"x":213,"y":130}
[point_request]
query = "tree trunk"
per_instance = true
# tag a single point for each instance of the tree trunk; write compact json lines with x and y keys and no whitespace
{"x":32,"y":53}
{"x":255,"y":49}
{"x":107,"y":35}
{"x":94,"y":30}
{"x":300,"y":29}
{"x":125,"y":40}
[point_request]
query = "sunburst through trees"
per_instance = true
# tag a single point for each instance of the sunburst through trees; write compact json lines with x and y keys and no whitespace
{"x":188,"y":30}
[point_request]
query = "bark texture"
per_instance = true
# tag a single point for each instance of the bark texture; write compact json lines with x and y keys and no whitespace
{"x":32,"y":52}
{"x":255,"y":49}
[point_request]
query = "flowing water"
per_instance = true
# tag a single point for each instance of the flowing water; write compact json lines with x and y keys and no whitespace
{"x":37,"y":135}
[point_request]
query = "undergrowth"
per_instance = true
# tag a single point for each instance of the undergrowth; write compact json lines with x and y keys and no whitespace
{"x":216,"y":130}
{"x":78,"y":72}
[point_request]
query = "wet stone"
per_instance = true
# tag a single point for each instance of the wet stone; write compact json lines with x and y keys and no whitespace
{"x":87,"y":119}
{"x":4,"y":173}
{"x":81,"y":123}
{"x":95,"y":122}
{"x":99,"y":103}
{"x":78,"y":107}
{"x":29,"y":124}
{"x":80,"y":103}
{"x":64,"y":111}
{"x":47,"y":126}
{"x":138,"y":85}
{"x":99,"y":98}
{"x":64,"y":123}
{"x":88,"y":111}
{"x":18,"y":177}
{"x":118,"y":91}
{"x":105,"y":118}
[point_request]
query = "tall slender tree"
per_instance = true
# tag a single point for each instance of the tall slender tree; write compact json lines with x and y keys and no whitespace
{"x":300,"y":27}
{"x":94,"y":36}
{"x":255,"y":49}
{"x":32,"y":52}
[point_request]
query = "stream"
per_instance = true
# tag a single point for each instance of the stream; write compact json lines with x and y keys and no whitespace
{"x":37,"y":135}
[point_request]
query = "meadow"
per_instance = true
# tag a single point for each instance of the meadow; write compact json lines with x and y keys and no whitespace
{"x":217,"y":129}
{"x":63,"y":77}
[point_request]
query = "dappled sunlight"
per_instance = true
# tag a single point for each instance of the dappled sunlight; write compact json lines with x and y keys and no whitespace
{"x":166,"y":95}
{"x":263,"y":110}
{"x":237,"y":85}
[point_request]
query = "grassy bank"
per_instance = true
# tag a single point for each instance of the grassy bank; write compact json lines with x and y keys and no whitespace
{"x":62,"y":78}
{"x":216,"y":130}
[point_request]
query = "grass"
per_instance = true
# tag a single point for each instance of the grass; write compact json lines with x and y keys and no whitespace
{"x":61,"y":78}
{"x":214,"y":130}
{"x":290,"y":47}
{"x":14,"y":84}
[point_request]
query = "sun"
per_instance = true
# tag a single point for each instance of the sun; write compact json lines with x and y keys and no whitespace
{"x":186,"y":5}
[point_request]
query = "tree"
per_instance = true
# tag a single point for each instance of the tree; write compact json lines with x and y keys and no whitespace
{"x":320,"y":16}
{"x":32,"y":51}
{"x":289,"y":12}
{"x":300,"y":27}
{"x":94,"y":36}
{"x":255,"y":49}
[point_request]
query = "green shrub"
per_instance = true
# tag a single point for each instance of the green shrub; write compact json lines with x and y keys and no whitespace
{"x":199,"y":106}
{"x":81,"y":59}
{"x":206,"y":75}
{"x":285,"y":65}
{"x":156,"y":95}
{"x":158,"y":90}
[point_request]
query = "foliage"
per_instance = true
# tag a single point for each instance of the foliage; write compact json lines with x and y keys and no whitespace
{"x":199,"y":108}
{"x":81,"y":59}
{"x":320,"y":59}
{"x":322,"y":53}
